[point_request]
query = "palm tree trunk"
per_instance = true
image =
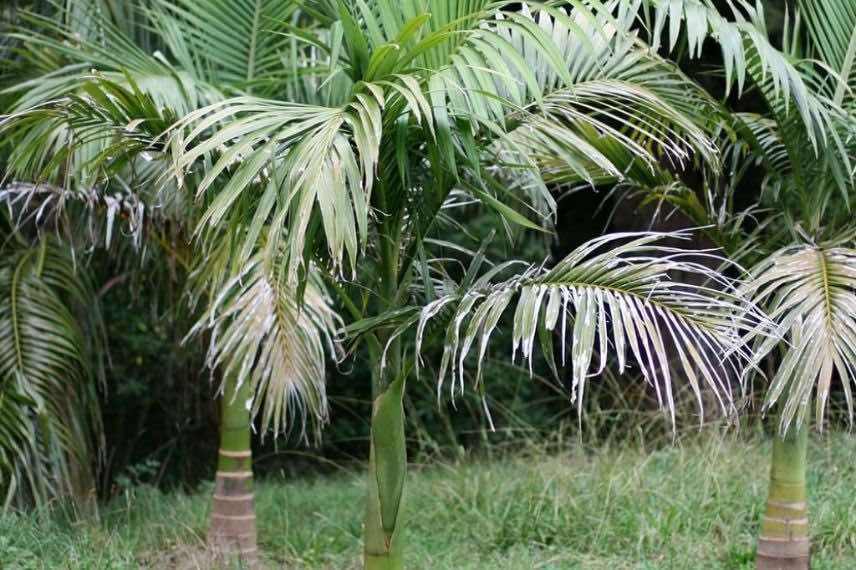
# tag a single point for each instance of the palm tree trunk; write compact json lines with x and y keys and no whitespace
{"x":387,"y":468}
{"x":784,"y":542}
{"x":232,"y":529}
{"x":382,"y":542}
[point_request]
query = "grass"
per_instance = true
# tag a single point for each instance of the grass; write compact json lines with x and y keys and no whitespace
{"x":696,"y":505}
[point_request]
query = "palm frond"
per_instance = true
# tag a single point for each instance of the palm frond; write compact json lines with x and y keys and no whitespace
{"x":75,"y":57}
{"x":104,"y":129}
{"x":224,"y":42}
{"x":810,"y":293}
{"x":266,"y":332}
{"x":619,"y":301}
{"x":746,"y":53}
{"x":49,"y":418}
{"x":307,"y":161}
{"x":832,"y":33}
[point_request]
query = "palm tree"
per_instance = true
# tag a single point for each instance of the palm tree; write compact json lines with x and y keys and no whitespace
{"x":799,"y":238}
{"x":92,"y":135}
{"x":808,"y":290}
{"x":271,"y":349}
{"x":391,"y":116}
{"x":50,"y":368}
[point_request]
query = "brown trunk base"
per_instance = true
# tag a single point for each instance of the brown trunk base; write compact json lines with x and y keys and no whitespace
{"x":783,"y":554}
{"x":232,"y":531}
{"x":779,"y":555}
{"x":784,"y":543}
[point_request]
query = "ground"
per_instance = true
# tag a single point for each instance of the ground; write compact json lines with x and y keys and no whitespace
{"x":693,"y":505}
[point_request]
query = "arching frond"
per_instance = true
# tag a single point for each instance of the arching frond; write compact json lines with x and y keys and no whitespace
{"x":746,"y":53}
{"x":105,"y":130}
{"x":111,"y":53}
{"x":832,"y":33}
{"x":261,"y":332}
{"x":766,"y":144}
{"x":49,"y":417}
{"x":620,"y":113}
{"x":302,"y":164}
{"x":612,"y":295}
{"x":810,"y":293}
{"x":224,"y":42}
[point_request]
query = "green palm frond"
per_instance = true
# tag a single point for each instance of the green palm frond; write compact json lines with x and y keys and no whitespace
{"x":766,"y":143}
{"x":746,"y":53}
{"x":815,"y":191}
{"x":223,"y":42}
{"x":103,"y":129}
{"x":112,"y":54}
{"x":832,"y":33}
{"x":620,"y":301}
{"x":49,"y":417}
{"x":265,"y":332}
{"x":810,"y":293}
{"x":620,"y":112}
{"x":305,"y":161}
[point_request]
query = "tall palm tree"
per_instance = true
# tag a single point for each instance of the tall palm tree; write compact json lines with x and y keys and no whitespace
{"x":799,"y":238}
{"x":94,"y":135}
{"x":393,"y":114}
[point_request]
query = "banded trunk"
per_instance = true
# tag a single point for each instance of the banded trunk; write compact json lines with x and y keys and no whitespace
{"x":784,"y":543}
{"x":232,"y":530}
{"x":387,"y":468}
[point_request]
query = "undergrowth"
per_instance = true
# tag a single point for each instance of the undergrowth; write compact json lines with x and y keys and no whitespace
{"x":695,"y":504}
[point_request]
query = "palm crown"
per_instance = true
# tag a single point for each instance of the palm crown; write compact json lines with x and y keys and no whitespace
{"x":801,"y":250}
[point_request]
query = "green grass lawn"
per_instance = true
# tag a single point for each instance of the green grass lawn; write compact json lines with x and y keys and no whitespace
{"x":694,"y":506}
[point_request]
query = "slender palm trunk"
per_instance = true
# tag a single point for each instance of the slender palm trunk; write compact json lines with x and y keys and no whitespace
{"x":387,"y":468}
{"x":388,"y":452}
{"x":232,"y":529}
{"x":784,"y":542}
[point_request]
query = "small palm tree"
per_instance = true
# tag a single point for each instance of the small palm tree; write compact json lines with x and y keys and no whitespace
{"x":270,"y":349}
{"x":808,"y":288}
{"x":799,"y":239}
{"x":391,"y":115}
{"x":809,"y":292}
{"x":95,"y":134}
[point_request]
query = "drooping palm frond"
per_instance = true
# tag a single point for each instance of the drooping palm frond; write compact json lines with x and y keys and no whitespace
{"x":305,"y":159}
{"x":103,"y":132}
{"x":746,"y":53}
{"x":620,"y":301}
{"x":49,"y":419}
{"x":617,"y":94}
{"x":832,"y":34}
{"x":238,"y":44}
{"x":805,"y":142}
{"x":265,"y":332}
{"x":810,"y":293}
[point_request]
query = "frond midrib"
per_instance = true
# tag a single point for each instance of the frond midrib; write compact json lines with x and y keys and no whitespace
{"x":823,"y":265}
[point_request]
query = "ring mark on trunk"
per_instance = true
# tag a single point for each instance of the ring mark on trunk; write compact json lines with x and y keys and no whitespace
{"x":247,"y":497}
{"x":235,"y":474}
{"x":235,"y":454}
{"x":791,"y":505}
{"x":233,"y":517}
{"x":795,"y":521}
